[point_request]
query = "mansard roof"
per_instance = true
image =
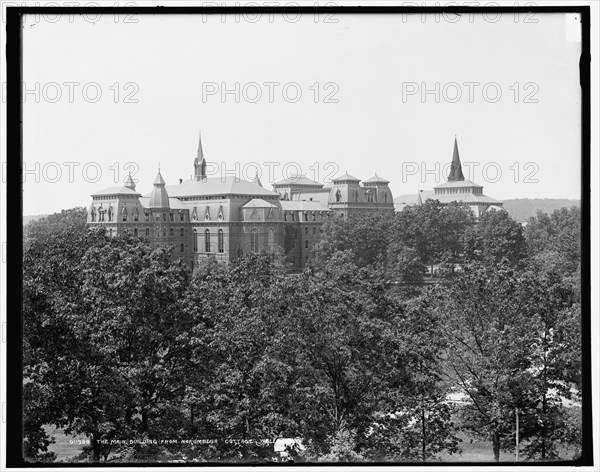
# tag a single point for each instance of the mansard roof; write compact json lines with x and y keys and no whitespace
{"x":228,"y":185}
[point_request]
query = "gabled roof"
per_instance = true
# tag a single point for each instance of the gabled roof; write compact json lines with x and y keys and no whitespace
{"x":116,"y":191}
{"x":228,"y":185}
{"x":258,"y":203}
{"x":345,"y":176}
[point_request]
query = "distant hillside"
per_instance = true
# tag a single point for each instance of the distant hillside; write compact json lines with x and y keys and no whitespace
{"x":520,"y":209}
{"x":28,"y":218}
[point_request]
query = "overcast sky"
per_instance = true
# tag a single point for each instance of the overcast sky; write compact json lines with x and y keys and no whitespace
{"x":507,"y":86}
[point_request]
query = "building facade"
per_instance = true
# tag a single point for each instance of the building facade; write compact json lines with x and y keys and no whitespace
{"x":223,"y":218}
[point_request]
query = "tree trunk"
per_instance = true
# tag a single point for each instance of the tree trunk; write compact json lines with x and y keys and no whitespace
{"x":96,"y":447}
{"x":423,"y":433}
{"x":144,"y":421}
{"x":496,"y":445}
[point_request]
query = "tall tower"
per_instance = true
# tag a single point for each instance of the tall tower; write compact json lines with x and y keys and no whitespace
{"x":200,"y":162}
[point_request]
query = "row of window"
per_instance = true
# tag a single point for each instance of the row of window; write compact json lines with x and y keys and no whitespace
{"x":207,"y":246}
{"x":102,"y":213}
{"x":293,"y":244}
{"x":371,"y":196}
{"x":304,"y":215}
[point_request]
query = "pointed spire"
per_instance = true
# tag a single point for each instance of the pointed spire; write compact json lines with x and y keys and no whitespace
{"x":159,"y":181}
{"x":129,"y":183}
{"x":456,"y":174}
{"x":419,"y":199}
{"x":199,"y":161}
{"x":256,"y":179}
{"x":200,"y":154}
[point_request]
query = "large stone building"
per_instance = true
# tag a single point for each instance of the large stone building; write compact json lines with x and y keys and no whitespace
{"x":456,"y":189}
{"x":226,"y":217}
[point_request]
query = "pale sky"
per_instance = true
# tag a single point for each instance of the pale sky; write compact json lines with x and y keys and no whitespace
{"x":166,"y":74}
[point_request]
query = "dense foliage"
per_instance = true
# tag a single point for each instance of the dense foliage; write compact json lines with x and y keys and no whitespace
{"x":365,"y":356}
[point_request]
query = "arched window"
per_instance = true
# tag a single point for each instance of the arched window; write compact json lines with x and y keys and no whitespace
{"x":124,"y":214}
{"x":207,"y":241}
{"x":147,"y":231}
{"x":181,"y":247}
{"x":306,"y":244}
{"x":385,"y":196}
{"x":181,"y":233}
{"x":369,"y":196}
{"x":305,"y":216}
{"x":220,"y":240}
{"x":254,"y":240}
{"x":164,"y":217}
{"x":171,"y":217}
{"x":147,"y":216}
{"x":271,"y":238}
{"x":338,"y":195}
{"x":195,"y":241}
{"x":284,"y":216}
{"x":293,"y":216}
{"x":306,"y":230}
{"x":136,"y":215}
{"x":110,"y":213}
{"x":314,"y":216}
{"x":181,"y":218}
{"x":171,"y":231}
{"x":158,"y":232}
{"x":93,"y":214}
{"x":164,"y":232}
